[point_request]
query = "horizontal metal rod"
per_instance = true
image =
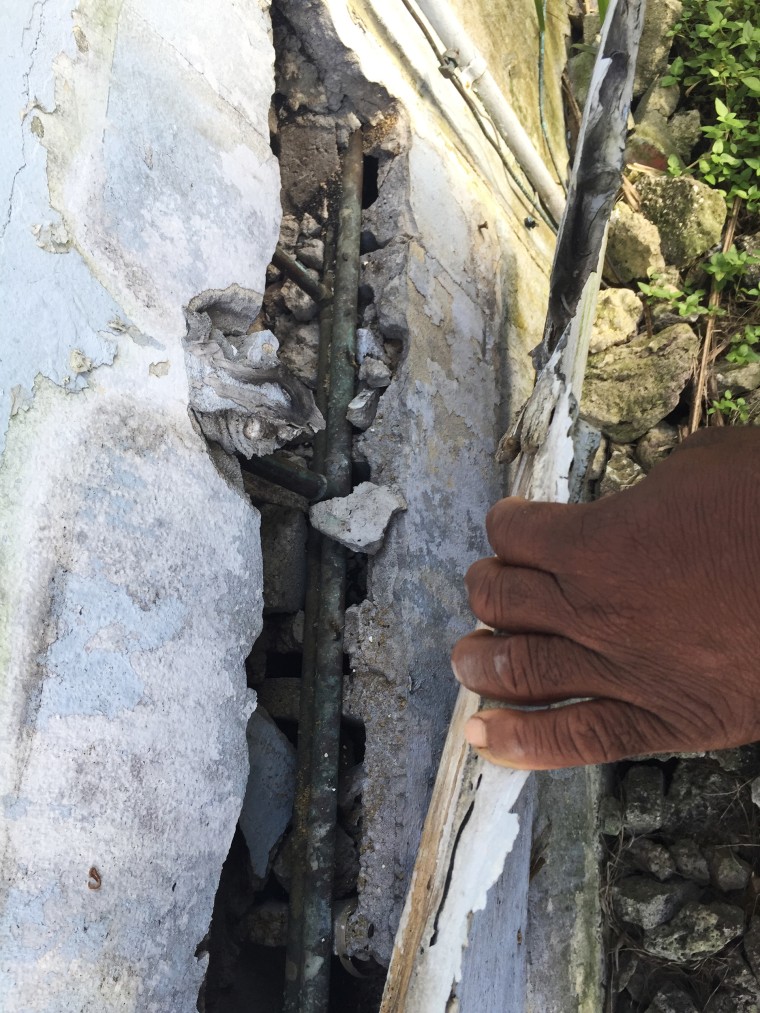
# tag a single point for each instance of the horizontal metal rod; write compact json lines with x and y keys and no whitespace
{"x":299,"y":274}
{"x":309,"y":484}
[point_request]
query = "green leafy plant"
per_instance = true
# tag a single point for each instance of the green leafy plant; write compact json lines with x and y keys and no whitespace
{"x":729,"y":268}
{"x":684,"y":303}
{"x":718,"y":45}
{"x":743,"y":345}
{"x":733,"y":408}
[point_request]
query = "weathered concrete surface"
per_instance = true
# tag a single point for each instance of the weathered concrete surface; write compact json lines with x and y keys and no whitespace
{"x":138,"y":177}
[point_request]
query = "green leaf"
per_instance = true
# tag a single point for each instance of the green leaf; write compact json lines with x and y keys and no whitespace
{"x":721,"y":108}
{"x":753,"y":83}
{"x":603,"y":5}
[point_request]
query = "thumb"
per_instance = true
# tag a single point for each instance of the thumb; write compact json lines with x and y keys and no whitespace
{"x":573,"y":735}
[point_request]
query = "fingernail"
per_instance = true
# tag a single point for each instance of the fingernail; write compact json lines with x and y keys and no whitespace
{"x":476,"y":733}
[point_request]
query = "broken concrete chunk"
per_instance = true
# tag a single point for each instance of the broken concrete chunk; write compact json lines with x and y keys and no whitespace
{"x":653,"y":858}
{"x":310,"y":227}
{"x":301,"y":305}
{"x":656,"y":445}
{"x":727,"y":871}
{"x":739,"y":379}
{"x":358,"y":521}
{"x":690,"y":861}
{"x":654,"y":48}
{"x":698,"y":930}
{"x":361,"y":411}
{"x":309,"y":157}
{"x":268,"y":802}
{"x":374,"y":373}
{"x":368,"y":343}
{"x":618,"y":311}
{"x":647,"y":903}
{"x":312,"y":253}
{"x":289,"y":230}
{"x":633,"y":246}
{"x":689,"y":215}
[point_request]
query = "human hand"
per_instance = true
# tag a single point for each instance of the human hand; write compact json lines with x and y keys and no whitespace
{"x":647,"y":601}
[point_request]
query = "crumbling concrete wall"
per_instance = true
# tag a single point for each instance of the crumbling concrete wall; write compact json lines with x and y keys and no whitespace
{"x":135,"y":174}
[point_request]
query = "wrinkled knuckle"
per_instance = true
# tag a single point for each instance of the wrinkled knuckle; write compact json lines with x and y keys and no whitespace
{"x":520,"y":667}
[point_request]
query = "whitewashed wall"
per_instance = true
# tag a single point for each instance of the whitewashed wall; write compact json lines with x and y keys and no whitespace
{"x":135,"y":173}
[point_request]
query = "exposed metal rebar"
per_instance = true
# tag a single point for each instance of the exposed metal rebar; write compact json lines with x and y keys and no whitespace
{"x":310,"y":484}
{"x":300,"y":275}
{"x":311,"y":923}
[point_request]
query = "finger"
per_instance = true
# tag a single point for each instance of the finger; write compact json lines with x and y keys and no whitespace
{"x":518,"y":600}
{"x":529,"y":669}
{"x":540,"y":535}
{"x":595,"y":731}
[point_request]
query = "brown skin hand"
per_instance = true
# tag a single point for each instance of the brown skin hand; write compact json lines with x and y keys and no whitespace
{"x":647,"y":602}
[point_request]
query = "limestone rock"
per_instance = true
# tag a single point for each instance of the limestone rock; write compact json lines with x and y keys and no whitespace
{"x":268,"y":804}
{"x":655,"y":445}
{"x":701,"y":796}
{"x":690,"y":861}
{"x":727,"y":871}
{"x":689,"y":215}
{"x":622,"y":472}
{"x":633,"y":246}
{"x":652,"y":858}
{"x":618,"y":312}
{"x":643,"y":789}
{"x":654,"y":48}
{"x":301,"y":305}
{"x":670,"y":999}
{"x":610,"y":816}
{"x":739,"y":379}
{"x":374,"y":373}
{"x":656,"y":137}
{"x":358,"y":521}
{"x":647,"y":903}
{"x":698,"y":930}
{"x":312,"y":253}
{"x":631,"y":387}
{"x":283,"y":541}
{"x":362,"y":409}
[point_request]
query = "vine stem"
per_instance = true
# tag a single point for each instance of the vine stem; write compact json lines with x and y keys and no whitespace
{"x":700,"y":388}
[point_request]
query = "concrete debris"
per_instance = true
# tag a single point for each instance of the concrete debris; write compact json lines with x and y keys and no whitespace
{"x":622,"y":472}
{"x":289,"y":230}
{"x":362,"y":409}
{"x":610,"y":816}
{"x":312,"y":253}
{"x":268,"y":803}
{"x":299,"y":349}
{"x":670,"y":999}
{"x":368,"y":343}
{"x":702,"y":796}
{"x":283,"y":540}
{"x":698,"y":930}
{"x":654,"y":48}
{"x":655,"y":445}
{"x":301,"y":305}
{"x":689,"y":214}
{"x":631,"y":387}
{"x":358,"y":521}
{"x":308,"y":160}
{"x":738,"y":379}
{"x":690,"y":862}
{"x":618,"y":313}
{"x":633,"y":246}
{"x":310,"y":227}
{"x":646,"y":903}
{"x":643,"y":790}
{"x":374,"y":373}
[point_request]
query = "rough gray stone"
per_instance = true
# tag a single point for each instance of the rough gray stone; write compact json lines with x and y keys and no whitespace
{"x":362,"y":409}
{"x":739,"y":379}
{"x":283,"y":541}
{"x":689,"y":215}
{"x":268,"y":803}
{"x":358,"y":521}
{"x":308,"y":159}
{"x":654,"y":446}
{"x":310,"y":227}
{"x":733,"y":1000}
{"x":301,"y":305}
{"x":622,"y":472}
{"x":701,"y":796}
{"x":374,"y":373}
{"x":690,"y":862}
{"x":648,"y":903}
{"x":755,"y":789}
{"x":652,"y":858}
{"x":660,"y":17}
{"x":289,"y":229}
{"x":633,"y":246}
{"x":312,"y":253}
{"x":656,"y":138}
{"x":368,"y":343}
{"x":698,"y":930}
{"x":632,"y":387}
{"x":670,"y":999}
{"x":299,"y":350}
{"x":643,"y":791}
{"x":618,"y":312}
{"x":727,"y":871}
{"x":751,"y":943}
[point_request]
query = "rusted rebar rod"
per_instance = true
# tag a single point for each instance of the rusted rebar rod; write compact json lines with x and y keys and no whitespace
{"x":300,"y":275}
{"x":310,"y":950}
